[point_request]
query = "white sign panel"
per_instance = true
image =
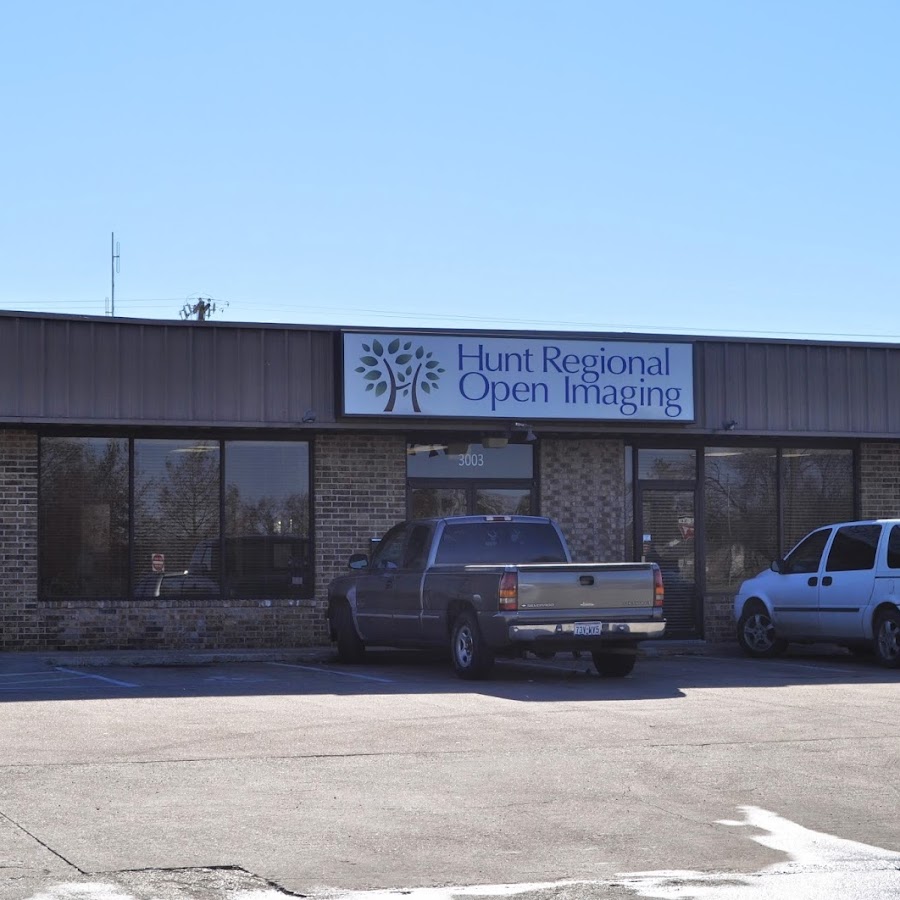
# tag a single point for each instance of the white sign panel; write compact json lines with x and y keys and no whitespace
{"x":517,"y":378}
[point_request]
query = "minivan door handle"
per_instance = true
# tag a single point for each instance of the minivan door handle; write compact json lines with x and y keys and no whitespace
{"x":586,"y":580}
{"x":813,"y":581}
{"x":827,"y":580}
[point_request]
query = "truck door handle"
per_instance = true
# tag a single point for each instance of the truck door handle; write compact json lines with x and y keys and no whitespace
{"x":813,"y":581}
{"x":827,"y":580}
{"x":586,"y":580}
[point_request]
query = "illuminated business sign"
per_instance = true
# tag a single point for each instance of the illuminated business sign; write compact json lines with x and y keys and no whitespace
{"x":517,"y":378}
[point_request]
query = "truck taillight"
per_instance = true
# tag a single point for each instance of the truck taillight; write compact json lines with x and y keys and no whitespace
{"x":509,"y":591}
{"x":659,"y":591}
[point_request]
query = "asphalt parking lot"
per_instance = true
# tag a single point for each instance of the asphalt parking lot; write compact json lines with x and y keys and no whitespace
{"x":218,"y":778}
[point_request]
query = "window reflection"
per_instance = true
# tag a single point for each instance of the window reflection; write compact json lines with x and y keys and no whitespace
{"x":267,"y":546}
{"x":741,"y":514}
{"x":176,"y":512}
{"x":83,"y":517}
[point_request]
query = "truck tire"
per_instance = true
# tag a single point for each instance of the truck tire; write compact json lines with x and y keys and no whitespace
{"x":887,"y":638}
{"x":756,"y":632}
{"x":350,"y":648}
{"x":471,"y":658}
{"x":614,"y":665}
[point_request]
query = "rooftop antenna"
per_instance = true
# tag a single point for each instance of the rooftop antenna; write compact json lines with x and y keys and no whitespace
{"x":114,"y":267}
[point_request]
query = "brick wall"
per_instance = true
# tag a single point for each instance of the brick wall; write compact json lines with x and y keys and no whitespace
{"x":18,"y":538}
{"x":583,"y":487}
{"x":360,"y":490}
{"x":718,"y":618}
{"x":879,"y":471}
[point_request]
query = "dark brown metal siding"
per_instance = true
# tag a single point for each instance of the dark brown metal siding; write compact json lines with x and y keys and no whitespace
{"x":109,"y":371}
{"x":784,"y":389}
{"x":106,"y":371}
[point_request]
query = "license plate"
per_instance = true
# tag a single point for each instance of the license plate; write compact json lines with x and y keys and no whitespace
{"x":588,"y":629}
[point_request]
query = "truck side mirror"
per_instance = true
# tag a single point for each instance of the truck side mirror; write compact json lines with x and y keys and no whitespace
{"x":777,"y":566}
{"x":359,"y":561}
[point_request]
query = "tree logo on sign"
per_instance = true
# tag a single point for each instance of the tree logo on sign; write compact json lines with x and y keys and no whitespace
{"x":399,"y":371}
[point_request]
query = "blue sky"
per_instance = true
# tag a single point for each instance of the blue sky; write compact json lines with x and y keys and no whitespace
{"x":708,"y":167}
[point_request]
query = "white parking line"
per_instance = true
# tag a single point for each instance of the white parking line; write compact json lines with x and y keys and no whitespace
{"x":322,"y":670}
{"x":41,"y":674}
{"x":98,"y":677}
{"x":779,"y":662}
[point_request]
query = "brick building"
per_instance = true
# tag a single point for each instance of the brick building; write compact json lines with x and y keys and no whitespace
{"x":177,"y":484}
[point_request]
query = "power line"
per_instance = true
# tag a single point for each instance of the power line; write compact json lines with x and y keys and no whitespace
{"x":512,"y":322}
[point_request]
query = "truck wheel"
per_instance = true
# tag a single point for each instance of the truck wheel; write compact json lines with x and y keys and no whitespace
{"x":614,"y":665}
{"x":350,"y":648}
{"x":756,"y":632}
{"x":471,"y":658}
{"x":887,"y":638}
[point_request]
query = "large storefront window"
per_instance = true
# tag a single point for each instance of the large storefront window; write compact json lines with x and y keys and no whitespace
{"x":83,"y":517}
{"x":178,"y":509}
{"x":176,"y":516}
{"x":818,"y":490}
{"x":741,"y":514}
{"x":742,"y":491}
{"x":267,"y":546}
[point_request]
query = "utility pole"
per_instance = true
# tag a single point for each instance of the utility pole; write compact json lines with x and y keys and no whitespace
{"x":114,"y":267}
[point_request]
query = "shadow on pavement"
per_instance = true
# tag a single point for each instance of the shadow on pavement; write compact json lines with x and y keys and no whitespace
{"x":26,"y":678}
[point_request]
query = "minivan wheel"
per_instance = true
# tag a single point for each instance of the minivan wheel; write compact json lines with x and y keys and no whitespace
{"x":471,"y":658}
{"x":756,"y":633}
{"x":887,"y":638}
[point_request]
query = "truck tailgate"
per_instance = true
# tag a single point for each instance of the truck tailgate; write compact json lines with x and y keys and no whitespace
{"x":582,"y":588}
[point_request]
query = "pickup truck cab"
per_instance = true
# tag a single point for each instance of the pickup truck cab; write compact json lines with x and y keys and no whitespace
{"x":493,"y":585}
{"x":840,"y":584}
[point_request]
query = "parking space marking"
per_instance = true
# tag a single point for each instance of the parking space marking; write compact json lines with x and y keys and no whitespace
{"x":114,"y":681}
{"x":322,"y":670}
{"x":778,"y":662}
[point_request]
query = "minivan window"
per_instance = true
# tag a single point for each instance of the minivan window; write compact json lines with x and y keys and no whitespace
{"x":853,"y":548}
{"x":806,"y":556}
{"x":893,"y":550}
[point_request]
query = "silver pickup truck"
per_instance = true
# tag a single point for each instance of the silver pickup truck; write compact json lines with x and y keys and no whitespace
{"x":488,"y":586}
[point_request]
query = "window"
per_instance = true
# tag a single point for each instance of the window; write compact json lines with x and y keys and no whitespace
{"x":418,"y":547}
{"x":740,"y":496}
{"x":83,"y":517}
{"x":449,"y":459}
{"x":176,"y":516}
{"x":805,"y":557}
{"x":667,"y":465}
{"x":176,"y":508}
{"x":499,"y":542}
{"x":267,"y":541}
{"x":817,"y":488}
{"x":853,"y":548}
{"x":893,"y":550}
{"x":389,"y":554}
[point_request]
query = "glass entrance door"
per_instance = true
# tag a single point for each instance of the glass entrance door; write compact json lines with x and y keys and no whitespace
{"x":667,"y":533}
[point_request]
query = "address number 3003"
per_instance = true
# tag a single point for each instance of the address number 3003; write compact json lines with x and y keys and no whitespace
{"x":471,"y":459}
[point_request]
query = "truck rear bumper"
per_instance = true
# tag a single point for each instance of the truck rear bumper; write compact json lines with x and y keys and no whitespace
{"x":635,"y":631}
